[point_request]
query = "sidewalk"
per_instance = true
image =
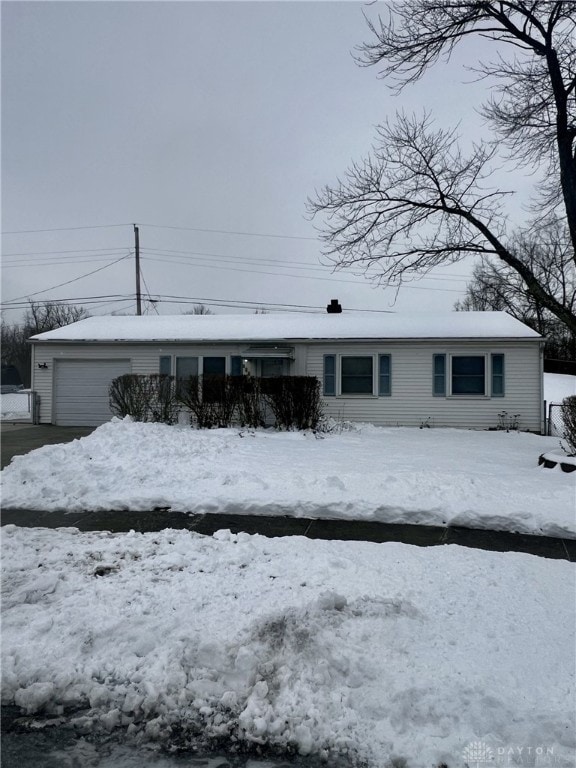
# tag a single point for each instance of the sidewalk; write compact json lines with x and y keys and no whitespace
{"x":21,"y":438}
{"x":347,"y":530}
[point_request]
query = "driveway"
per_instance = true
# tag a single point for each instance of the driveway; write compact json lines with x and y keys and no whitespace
{"x":21,"y":438}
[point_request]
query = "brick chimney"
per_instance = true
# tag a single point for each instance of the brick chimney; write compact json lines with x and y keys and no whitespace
{"x":334,"y":308}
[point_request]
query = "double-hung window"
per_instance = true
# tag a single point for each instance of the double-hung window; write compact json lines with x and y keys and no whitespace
{"x":468,"y":375}
{"x":357,"y":375}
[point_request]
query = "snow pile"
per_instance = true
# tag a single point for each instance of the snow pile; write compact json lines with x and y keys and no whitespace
{"x":373,"y":652}
{"x":397,"y":475}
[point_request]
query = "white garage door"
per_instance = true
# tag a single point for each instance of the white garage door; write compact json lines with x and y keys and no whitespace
{"x":81,"y":391}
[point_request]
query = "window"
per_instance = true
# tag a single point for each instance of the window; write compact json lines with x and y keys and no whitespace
{"x":439,"y":376}
{"x":236,"y":366}
{"x":497,"y":375}
{"x":468,"y":375}
{"x":213,"y":366}
{"x":384,"y":375}
{"x":185,"y":368}
{"x":273,"y":366}
{"x":357,"y":376}
{"x":329,"y":375}
{"x":213,"y":370}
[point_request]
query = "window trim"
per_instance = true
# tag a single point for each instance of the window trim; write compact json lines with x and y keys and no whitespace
{"x":373,"y":376}
{"x":332,"y":376}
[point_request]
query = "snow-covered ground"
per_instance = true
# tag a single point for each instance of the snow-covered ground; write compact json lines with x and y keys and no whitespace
{"x":372,"y":651}
{"x":424,"y":476}
{"x":557,"y":386}
{"x":15,"y":406}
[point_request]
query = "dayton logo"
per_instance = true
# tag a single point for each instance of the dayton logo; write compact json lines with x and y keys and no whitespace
{"x":477,"y":752}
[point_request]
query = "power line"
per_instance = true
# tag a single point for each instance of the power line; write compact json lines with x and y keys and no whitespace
{"x":62,"y":229}
{"x":73,"y":250}
{"x":232,"y":232}
{"x":270,"y":261}
{"x":162,"y":226}
{"x":74,"y":280}
{"x":284,"y":274}
{"x":66,"y":261}
{"x":171,"y":299}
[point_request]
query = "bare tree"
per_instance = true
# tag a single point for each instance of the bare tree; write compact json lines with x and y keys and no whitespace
{"x":497,"y":287}
{"x":199,"y":309}
{"x":47,"y":315}
{"x":418,"y":200}
{"x":40,"y":317}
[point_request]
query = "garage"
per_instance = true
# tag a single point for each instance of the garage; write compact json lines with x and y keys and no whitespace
{"x":81,"y":391}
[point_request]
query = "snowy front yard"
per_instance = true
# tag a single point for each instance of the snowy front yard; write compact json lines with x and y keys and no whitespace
{"x":426,"y":476}
{"x":375,"y":652}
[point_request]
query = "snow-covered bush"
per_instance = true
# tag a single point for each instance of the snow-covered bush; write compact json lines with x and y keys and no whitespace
{"x":569,"y":419}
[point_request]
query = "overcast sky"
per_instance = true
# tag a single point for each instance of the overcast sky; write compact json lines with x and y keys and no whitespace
{"x":190,"y":116}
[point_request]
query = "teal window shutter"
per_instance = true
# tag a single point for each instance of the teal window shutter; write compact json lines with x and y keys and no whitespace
{"x":439,"y":377}
{"x":235,"y":366}
{"x":384,"y":375}
{"x":498,"y":375}
{"x":329,"y":375}
{"x":166,"y":366}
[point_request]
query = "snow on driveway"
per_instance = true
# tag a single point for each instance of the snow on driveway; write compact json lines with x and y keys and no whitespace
{"x":375,"y":652}
{"x":397,"y":475}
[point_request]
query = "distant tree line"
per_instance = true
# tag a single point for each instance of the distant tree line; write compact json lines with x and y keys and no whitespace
{"x":39,"y":317}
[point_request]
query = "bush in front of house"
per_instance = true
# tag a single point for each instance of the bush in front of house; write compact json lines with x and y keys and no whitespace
{"x":219,"y":401}
{"x":250,"y":410}
{"x":144,"y":397}
{"x":569,"y":419}
{"x":294,"y":401}
{"x":211,"y":400}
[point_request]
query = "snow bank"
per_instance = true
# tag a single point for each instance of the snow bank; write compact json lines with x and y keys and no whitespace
{"x":397,"y":475}
{"x":374,"y":652}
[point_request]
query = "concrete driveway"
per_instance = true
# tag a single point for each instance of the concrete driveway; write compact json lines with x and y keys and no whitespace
{"x":21,"y":438}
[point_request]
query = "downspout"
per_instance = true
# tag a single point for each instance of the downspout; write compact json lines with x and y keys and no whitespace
{"x":542,"y":404}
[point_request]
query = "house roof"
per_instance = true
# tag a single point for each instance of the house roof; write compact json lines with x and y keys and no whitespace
{"x":291,"y":327}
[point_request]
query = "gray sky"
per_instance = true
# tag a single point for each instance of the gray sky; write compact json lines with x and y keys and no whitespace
{"x":201,"y":115}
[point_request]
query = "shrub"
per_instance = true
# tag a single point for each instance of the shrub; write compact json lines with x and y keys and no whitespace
{"x":569,"y":419}
{"x":250,"y":411}
{"x":162,"y":403}
{"x":144,"y":398}
{"x":294,"y":401}
{"x":212,"y":400}
{"x":127,"y":398}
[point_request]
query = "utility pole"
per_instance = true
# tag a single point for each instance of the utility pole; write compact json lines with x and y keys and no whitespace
{"x":137,"y":252}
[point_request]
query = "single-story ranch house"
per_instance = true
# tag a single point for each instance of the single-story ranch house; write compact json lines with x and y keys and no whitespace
{"x":459,"y":369}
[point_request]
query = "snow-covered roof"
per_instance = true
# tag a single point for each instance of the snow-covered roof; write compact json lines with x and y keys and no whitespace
{"x":292,"y":327}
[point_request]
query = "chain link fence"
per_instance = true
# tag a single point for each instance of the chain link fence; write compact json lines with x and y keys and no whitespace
{"x":18,"y":406}
{"x":555,"y":422}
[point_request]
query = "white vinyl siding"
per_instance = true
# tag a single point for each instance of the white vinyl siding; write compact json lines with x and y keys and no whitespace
{"x":412,"y":402}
